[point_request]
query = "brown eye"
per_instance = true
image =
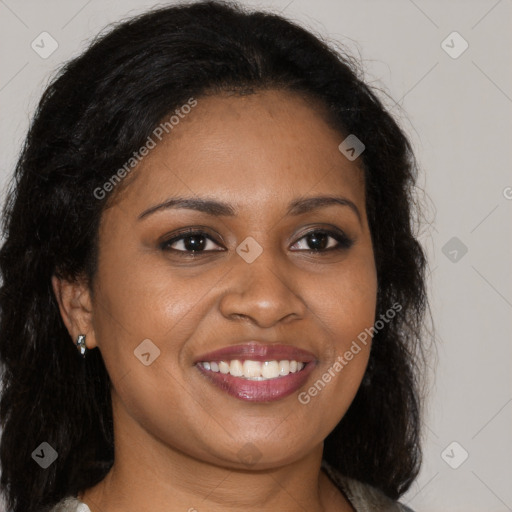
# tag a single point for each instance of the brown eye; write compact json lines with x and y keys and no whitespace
{"x":190,"y":243}
{"x":322,"y":241}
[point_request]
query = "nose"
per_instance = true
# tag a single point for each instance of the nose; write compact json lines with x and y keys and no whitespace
{"x":262,"y":291}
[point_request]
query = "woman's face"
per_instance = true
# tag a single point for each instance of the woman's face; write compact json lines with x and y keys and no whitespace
{"x":252,"y":284}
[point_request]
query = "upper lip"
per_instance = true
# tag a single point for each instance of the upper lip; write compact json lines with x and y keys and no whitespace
{"x":256,"y":351}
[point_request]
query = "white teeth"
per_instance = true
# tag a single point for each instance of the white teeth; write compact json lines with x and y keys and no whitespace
{"x":284,"y":367}
{"x":270,"y":369}
{"x":254,"y":370}
{"x":224,"y":367}
{"x":236,"y":369}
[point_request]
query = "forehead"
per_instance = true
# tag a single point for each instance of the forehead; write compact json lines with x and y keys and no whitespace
{"x":248,"y":150}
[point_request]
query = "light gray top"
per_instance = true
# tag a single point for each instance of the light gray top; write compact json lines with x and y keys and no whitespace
{"x":362,"y":497}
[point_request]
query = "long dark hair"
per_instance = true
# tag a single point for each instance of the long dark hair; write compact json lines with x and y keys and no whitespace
{"x":98,"y":110}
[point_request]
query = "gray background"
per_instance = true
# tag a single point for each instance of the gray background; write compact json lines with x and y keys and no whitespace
{"x":457,"y":112}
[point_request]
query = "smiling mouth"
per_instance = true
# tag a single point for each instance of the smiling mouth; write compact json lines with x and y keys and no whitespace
{"x":259,"y":381}
{"x":254,"y":370}
{"x":257,"y":372}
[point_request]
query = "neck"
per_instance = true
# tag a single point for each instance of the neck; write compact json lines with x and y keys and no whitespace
{"x":150,"y":475}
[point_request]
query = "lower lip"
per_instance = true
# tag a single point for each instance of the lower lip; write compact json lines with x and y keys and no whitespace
{"x":259,"y":391}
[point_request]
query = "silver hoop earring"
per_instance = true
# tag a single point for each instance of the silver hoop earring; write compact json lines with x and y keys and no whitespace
{"x":80,"y":343}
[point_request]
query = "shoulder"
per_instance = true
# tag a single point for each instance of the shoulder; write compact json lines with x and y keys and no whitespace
{"x":363,"y":497}
{"x":70,"y":504}
{"x":366,"y":498}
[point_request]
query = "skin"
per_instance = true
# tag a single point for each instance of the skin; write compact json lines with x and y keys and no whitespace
{"x":177,"y":436}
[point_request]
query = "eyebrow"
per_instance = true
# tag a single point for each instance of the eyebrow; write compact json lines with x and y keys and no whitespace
{"x":220,"y":209}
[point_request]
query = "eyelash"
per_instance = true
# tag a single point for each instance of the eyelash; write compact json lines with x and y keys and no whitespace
{"x":344,"y":242}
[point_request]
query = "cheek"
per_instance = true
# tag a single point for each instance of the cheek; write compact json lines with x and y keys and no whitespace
{"x":142,"y":321}
{"x":345,"y":302}
{"x":146,"y":308}
{"x":140,"y":298}
{"x":345,"y":308}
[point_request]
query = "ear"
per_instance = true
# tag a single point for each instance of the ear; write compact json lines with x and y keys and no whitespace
{"x":75,"y":307}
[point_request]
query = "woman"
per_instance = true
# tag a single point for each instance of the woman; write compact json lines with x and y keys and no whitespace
{"x":212,"y":295}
